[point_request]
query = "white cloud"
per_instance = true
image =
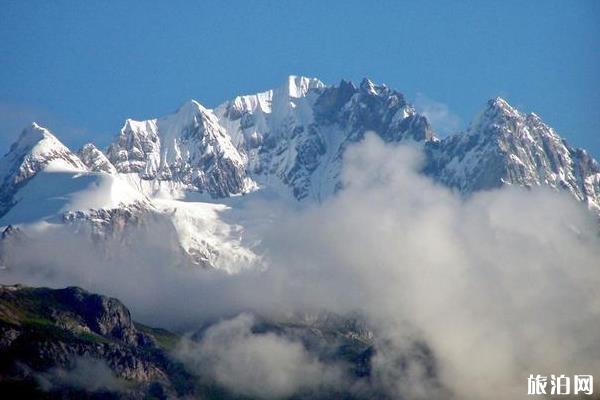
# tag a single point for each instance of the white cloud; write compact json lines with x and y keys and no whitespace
{"x":259,"y":365}
{"x":510,"y":275}
{"x":444,"y":122}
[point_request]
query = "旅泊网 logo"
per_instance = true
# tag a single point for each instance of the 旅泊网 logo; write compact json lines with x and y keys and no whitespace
{"x":560,"y":384}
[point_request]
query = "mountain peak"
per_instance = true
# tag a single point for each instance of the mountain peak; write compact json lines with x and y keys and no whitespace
{"x":498,"y":105}
{"x":191,"y":109}
{"x":32,"y":135}
{"x":191,"y":113}
{"x":496,"y":112}
{"x":498,"y":102}
{"x":297,"y":86}
{"x":35,"y":150}
{"x":504,"y":146}
{"x":368,"y":86}
{"x":344,"y":84}
{"x":37,"y":143}
{"x":191,"y":105}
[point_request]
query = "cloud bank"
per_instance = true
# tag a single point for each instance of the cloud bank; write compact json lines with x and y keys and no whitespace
{"x":499,"y":285}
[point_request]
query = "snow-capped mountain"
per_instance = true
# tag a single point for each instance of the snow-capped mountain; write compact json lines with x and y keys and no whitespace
{"x":49,"y":188}
{"x":42,"y":177}
{"x":188,"y":150}
{"x":504,"y":146}
{"x":295,"y":135}
{"x":289,"y":140}
{"x":35,"y":149}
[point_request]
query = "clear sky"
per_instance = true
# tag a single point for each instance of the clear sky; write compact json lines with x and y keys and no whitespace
{"x":83,"y":67}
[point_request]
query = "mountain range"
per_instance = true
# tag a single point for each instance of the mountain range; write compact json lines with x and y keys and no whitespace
{"x":189,"y":169}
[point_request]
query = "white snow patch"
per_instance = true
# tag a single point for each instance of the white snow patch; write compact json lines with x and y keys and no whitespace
{"x":57,"y":190}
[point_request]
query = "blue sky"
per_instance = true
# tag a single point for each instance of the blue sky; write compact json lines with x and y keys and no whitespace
{"x":82,"y":68}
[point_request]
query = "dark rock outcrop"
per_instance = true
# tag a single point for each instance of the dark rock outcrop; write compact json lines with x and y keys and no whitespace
{"x":45,"y":334}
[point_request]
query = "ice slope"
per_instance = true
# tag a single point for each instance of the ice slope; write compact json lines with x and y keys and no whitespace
{"x":55,"y":191}
{"x":43,"y":178}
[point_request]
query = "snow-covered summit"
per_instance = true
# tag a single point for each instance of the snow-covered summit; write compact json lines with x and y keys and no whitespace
{"x":36,"y":149}
{"x":294,"y":136}
{"x":293,"y":88}
{"x":368,"y":86}
{"x":40,"y":175}
{"x":497,"y":111}
{"x":188,"y":148}
{"x":279,"y":137}
{"x":504,"y":146}
{"x":32,"y":136}
{"x":292,"y":139}
{"x":37,"y":144}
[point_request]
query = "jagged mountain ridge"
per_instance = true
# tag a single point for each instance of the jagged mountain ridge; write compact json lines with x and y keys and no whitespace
{"x":290,"y":140}
{"x":293,"y":138}
{"x":504,"y":146}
